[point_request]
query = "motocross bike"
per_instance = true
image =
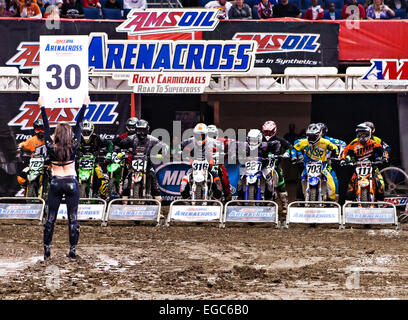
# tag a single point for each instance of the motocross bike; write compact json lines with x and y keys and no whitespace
{"x":314,"y":184}
{"x":138,"y":175}
{"x":254,"y":174}
{"x":115,"y":173}
{"x":86,"y":169}
{"x":365,"y":186}
{"x":200,"y":180}
{"x":37,"y":177}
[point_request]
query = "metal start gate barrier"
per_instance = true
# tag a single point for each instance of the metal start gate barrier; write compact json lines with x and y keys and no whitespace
{"x":86,"y":211}
{"x":265,"y":212}
{"x":195,"y":213}
{"x":28,"y":208}
{"x":355,"y":213}
{"x":313,"y":212}
{"x":133,"y":212}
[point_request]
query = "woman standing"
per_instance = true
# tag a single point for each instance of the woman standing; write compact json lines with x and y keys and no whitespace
{"x":378,"y":10}
{"x":64,"y":182}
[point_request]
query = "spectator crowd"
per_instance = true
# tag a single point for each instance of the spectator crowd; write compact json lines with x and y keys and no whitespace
{"x":235,"y":9}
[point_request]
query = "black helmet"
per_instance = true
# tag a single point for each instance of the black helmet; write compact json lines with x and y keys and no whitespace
{"x":324,"y":128}
{"x":39,"y":128}
{"x":363,"y":133}
{"x":142,"y":128}
{"x":370,"y":125}
{"x":131,"y":125}
{"x":313,"y":133}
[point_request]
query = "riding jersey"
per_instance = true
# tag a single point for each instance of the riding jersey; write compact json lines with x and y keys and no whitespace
{"x":94,"y":144}
{"x":34,"y":145}
{"x":383,"y":143}
{"x":315,"y":152}
{"x":191,"y":150}
{"x":371,"y":150}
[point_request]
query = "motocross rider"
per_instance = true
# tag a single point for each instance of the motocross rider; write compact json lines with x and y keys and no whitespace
{"x":363,"y":147}
{"x":316,"y":148}
{"x":200,"y":147}
{"x":340,"y":145}
{"x":269,"y":129}
{"x":222,"y":172}
{"x":92,"y":143}
{"x":142,"y":139}
{"x":130,"y":131}
{"x":254,"y":146}
{"x":35,"y":145}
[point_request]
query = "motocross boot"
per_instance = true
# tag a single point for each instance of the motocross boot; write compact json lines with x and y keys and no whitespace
{"x":283,"y":196}
{"x":73,"y":238}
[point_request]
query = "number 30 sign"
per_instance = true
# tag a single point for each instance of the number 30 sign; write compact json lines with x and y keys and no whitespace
{"x":63,"y":70}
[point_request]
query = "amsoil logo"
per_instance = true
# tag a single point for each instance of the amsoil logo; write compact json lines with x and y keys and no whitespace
{"x":98,"y":113}
{"x":282,"y":42}
{"x":171,"y":20}
{"x":27,"y":56}
{"x":387,"y":70}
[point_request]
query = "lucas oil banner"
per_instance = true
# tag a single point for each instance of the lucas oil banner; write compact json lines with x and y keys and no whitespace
{"x":283,"y":43}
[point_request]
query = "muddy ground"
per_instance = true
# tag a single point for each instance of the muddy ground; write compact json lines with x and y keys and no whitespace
{"x":124,"y":261}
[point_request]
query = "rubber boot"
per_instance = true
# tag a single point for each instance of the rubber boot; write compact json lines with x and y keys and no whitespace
{"x":47,"y":252}
{"x":283,"y":196}
{"x":73,"y":239}
{"x":48,"y":232}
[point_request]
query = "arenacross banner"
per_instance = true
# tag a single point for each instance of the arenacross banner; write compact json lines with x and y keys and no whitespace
{"x":284,"y":44}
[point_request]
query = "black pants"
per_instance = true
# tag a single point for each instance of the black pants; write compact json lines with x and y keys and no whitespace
{"x":59,"y":187}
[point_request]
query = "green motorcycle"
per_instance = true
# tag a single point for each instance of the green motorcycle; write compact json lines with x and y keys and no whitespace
{"x":86,"y":169}
{"x":37,"y":180}
{"x":115,"y":172}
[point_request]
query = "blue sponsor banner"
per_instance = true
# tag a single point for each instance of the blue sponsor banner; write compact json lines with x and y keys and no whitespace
{"x":251,"y":214}
{"x":169,"y":176}
{"x":133,"y":212}
{"x":20,"y":211}
{"x":369,"y":215}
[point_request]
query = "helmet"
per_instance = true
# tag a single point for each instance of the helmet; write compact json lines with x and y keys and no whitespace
{"x":39,"y":128}
{"x":142,"y":129}
{"x":87,"y":129}
{"x":200,"y":133}
{"x":324,"y":128}
{"x":313,"y":133}
{"x":269,"y":129}
{"x":254,"y":138}
{"x":212,"y":131}
{"x":131,"y":125}
{"x":370,"y":125}
{"x":363,"y":133}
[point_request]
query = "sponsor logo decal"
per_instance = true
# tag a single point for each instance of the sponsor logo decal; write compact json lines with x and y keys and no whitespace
{"x":161,"y":21}
{"x":27,"y":56}
{"x":98,"y":113}
{"x":282,"y":42}
{"x":385,"y":71}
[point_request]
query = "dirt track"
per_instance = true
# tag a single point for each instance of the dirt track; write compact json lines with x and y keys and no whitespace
{"x":204,"y":262}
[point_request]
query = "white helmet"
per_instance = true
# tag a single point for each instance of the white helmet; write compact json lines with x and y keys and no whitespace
{"x":212,"y":131}
{"x":200,"y":133}
{"x":254,"y":138}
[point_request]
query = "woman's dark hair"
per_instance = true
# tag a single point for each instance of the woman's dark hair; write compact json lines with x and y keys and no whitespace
{"x":63,"y":141}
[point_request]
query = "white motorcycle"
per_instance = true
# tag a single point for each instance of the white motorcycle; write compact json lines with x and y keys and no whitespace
{"x":201,"y":180}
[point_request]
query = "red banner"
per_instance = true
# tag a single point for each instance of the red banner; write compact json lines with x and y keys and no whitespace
{"x":372,"y":39}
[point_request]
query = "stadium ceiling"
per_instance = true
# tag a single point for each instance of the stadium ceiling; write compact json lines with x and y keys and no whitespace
{"x":222,"y":84}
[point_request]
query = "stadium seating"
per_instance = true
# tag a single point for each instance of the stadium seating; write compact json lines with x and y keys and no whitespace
{"x":202,"y":3}
{"x":42,"y":11}
{"x":91,"y":13}
{"x":121,"y":3}
{"x":297,"y":3}
{"x":400,"y":13}
{"x":102,"y":2}
{"x":125,"y":13}
{"x":255,"y":14}
{"x":115,"y":14}
{"x":303,"y":11}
